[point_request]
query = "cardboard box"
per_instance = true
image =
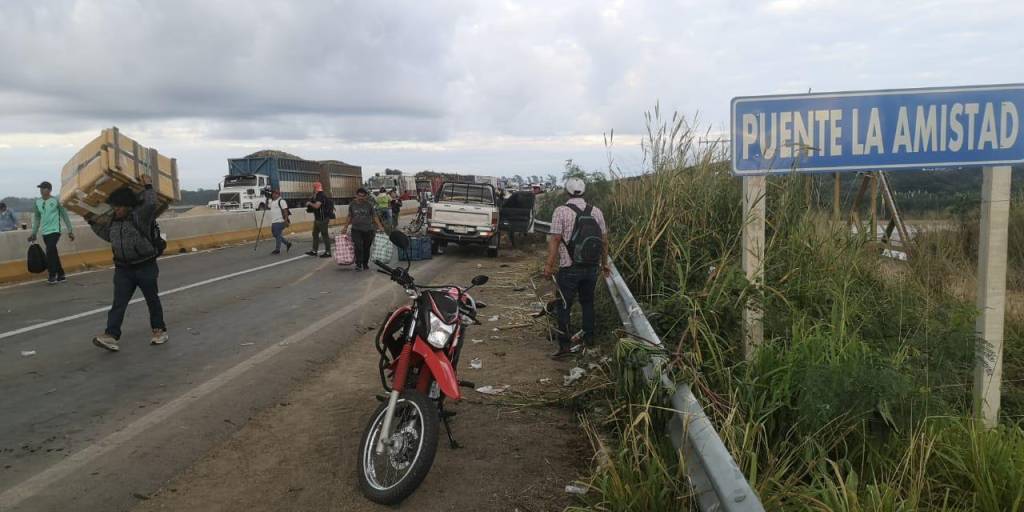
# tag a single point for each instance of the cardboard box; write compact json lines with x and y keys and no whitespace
{"x":110,"y":162}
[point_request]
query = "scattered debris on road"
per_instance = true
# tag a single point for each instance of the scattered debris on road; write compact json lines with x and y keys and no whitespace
{"x":28,"y":353}
{"x":575,"y":374}
{"x":492,"y":390}
{"x":476,"y":363}
{"x":575,"y":489}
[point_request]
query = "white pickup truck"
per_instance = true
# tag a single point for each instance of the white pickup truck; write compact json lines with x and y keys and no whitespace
{"x":464,"y":213}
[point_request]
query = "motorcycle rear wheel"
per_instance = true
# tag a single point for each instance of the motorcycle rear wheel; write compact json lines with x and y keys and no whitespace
{"x":392,"y":476}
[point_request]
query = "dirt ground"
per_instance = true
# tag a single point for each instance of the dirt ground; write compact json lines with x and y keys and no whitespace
{"x":301,"y":455}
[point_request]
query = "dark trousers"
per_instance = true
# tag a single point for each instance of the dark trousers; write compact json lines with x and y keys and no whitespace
{"x":363,"y":241}
{"x":277,"y":229}
{"x":573,"y":281}
{"x":52,"y":256}
{"x":320,"y":230}
{"x":126,"y":280}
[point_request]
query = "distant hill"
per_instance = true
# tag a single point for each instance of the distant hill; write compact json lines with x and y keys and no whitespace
{"x":198,"y":197}
{"x":188,"y":198}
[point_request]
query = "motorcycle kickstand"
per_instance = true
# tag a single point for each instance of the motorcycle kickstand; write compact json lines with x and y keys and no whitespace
{"x":448,"y":429}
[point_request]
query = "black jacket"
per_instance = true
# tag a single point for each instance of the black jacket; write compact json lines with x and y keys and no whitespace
{"x":129,"y":237}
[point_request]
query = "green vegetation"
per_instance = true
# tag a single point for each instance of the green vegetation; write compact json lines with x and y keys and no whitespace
{"x":860,"y":397}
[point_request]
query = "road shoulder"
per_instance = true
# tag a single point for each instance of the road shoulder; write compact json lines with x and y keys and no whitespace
{"x":301,"y":453}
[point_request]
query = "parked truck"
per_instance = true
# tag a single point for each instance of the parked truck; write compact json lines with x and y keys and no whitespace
{"x":242,"y":192}
{"x":294,"y":176}
{"x":466,"y":214}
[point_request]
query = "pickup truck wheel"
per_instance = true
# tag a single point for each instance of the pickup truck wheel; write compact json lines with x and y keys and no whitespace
{"x":492,"y":252}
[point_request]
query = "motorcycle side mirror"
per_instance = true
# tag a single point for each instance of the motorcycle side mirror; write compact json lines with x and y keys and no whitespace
{"x":399,"y":239}
{"x":480,"y":280}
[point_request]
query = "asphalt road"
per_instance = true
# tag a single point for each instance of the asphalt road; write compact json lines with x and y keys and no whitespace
{"x":84,"y":429}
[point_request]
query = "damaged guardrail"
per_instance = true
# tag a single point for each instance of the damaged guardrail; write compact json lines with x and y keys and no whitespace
{"x":716,"y":479}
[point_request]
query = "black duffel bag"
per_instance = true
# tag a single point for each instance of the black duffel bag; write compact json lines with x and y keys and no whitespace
{"x":36,"y":259}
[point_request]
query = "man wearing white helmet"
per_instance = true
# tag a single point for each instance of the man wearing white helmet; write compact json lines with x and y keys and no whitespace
{"x":578,"y":245}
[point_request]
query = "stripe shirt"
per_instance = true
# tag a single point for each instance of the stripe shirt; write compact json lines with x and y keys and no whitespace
{"x":562,"y":222}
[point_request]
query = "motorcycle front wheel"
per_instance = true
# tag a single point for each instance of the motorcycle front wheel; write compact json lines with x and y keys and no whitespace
{"x":390,"y":477}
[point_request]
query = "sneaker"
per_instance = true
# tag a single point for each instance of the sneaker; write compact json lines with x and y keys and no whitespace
{"x":359,"y":268}
{"x":310,"y":253}
{"x":325,"y":255}
{"x":159,"y":337}
{"x":51,"y":280}
{"x":275,"y":251}
{"x":61,"y":278}
{"x":106,"y":341}
{"x":287,"y":247}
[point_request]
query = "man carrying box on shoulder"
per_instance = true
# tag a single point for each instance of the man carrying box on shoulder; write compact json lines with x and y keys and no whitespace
{"x":129,"y":232}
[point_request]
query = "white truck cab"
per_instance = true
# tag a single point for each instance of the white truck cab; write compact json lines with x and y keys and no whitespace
{"x":243,"y":193}
{"x":466,"y":214}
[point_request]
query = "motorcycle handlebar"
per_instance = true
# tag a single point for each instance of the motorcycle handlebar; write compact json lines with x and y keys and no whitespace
{"x":383,"y":266}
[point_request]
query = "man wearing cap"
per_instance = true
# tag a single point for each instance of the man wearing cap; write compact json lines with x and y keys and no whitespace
{"x":46,"y":221}
{"x":280,"y":218}
{"x":575,"y":277}
{"x":7,"y":220}
{"x":322,"y":211}
{"x":135,"y":266}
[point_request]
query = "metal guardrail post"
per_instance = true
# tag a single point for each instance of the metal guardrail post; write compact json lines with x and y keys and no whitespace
{"x":714,"y":475}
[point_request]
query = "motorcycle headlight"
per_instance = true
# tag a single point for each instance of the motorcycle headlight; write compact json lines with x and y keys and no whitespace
{"x":439,"y":332}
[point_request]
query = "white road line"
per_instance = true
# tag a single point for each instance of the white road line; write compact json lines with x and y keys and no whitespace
{"x":41,"y":325}
{"x":40,"y":481}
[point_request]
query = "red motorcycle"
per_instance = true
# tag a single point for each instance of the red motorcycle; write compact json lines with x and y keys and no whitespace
{"x":419,"y":347}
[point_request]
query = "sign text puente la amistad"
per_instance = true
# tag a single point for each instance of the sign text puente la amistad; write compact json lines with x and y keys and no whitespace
{"x":906,"y":129}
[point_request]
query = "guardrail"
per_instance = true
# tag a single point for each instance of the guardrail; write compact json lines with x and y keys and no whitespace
{"x":714,"y":476}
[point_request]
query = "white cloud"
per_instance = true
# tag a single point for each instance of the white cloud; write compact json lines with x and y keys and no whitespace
{"x":489,"y":86}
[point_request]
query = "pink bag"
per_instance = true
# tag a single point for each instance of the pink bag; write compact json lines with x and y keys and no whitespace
{"x":344,"y":251}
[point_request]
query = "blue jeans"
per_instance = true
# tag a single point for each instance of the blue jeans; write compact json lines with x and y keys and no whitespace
{"x":277,"y":229}
{"x":385,"y":215}
{"x":573,"y":281}
{"x":126,"y":279}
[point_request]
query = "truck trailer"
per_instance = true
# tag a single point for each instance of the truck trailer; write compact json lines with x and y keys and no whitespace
{"x":294,"y":176}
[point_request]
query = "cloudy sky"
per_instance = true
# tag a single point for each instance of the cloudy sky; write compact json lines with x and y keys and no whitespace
{"x":489,"y":87}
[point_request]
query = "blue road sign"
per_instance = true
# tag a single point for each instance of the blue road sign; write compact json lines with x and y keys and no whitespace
{"x":908,"y":129}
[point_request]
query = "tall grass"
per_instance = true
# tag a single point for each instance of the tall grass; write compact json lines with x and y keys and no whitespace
{"x":857,"y":400}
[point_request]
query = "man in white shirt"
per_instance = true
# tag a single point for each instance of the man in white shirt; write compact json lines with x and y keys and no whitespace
{"x":279,"y":219}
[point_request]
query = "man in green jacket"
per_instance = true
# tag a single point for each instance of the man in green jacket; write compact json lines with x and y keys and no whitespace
{"x":46,"y":218}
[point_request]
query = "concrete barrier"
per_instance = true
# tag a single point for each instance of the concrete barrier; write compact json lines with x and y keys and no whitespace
{"x":183,"y":234}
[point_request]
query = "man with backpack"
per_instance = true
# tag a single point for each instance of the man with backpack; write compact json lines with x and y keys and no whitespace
{"x":578,"y":245}
{"x":136,"y":242}
{"x":46,"y":220}
{"x":323,"y":211}
{"x":280,"y":218}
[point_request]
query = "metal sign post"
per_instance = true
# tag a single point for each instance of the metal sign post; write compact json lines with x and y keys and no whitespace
{"x":908,"y":129}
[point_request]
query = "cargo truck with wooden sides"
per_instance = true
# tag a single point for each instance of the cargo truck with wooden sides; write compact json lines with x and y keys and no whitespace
{"x":294,"y":177}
